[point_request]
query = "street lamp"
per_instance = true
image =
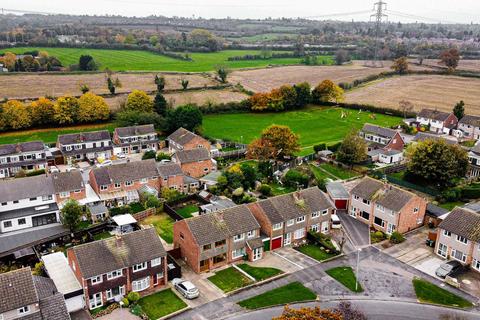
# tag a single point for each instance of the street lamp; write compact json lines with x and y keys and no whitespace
{"x":358,"y":262}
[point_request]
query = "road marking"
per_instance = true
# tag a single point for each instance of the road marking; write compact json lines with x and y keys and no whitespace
{"x":285,"y":258}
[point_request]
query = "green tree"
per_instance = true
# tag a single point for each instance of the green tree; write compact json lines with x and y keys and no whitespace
{"x":153,"y":40}
{"x":66,"y":110}
{"x":160,"y":82}
{"x":111,"y":86}
{"x":304,"y":94}
{"x":184,"y":83}
{"x":16,"y":115}
{"x":222,"y":73}
{"x":459,"y":109}
{"x":71,"y":214}
{"x":289,"y":97}
{"x":187,"y":116}
{"x":341,"y":56}
{"x":353,"y":149}
{"x":87,"y":63}
{"x":84,"y":88}
{"x":327,"y":91}
{"x":139,"y":101}
{"x":436,"y":162}
{"x":160,"y":104}
{"x":294,"y":178}
{"x":250,"y":175}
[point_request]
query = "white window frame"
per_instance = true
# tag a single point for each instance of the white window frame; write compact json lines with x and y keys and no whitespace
{"x":296,"y":234}
{"x":315,"y":227}
{"x":447,"y":233}
{"x":440,"y":252}
{"x":464,"y":255}
{"x":475,"y":265}
{"x":277,"y":226}
{"x":103,"y":187}
{"x":96,"y":280}
{"x":114,"y":274}
{"x":251,"y":234}
{"x":238,"y":237}
{"x":144,"y":180}
{"x":156,"y":262}
{"x":300,"y":219}
{"x":139,"y":267}
{"x":64,"y":194}
{"x":315,"y":214}
{"x":128,"y":183}
{"x":290,"y":222}
{"x":23,"y":310}
{"x":462,"y":239}
{"x":68,"y":148}
{"x":140,"y":285}
{"x":117,"y":185}
{"x":238,"y":253}
{"x":325,"y":212}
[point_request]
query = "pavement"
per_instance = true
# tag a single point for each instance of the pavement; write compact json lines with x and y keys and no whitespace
{"x":120,"y":313}
{"x":80,"y":315}
{"x":357,"y":232}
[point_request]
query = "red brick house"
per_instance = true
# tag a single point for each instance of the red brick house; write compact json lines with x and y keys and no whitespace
{"x":438,"y":121}
{"x":195,"y":162}
{"x":171,"y":176}
{"x":182,"y":139}
{"x":213,"y":240}
{"x":286,"y":219}
{"x":111,"y":268}
{"x":386,"y":208}
{"x":119,"y":184}
{"x":384,"y":144}
{"x":68,"y":185}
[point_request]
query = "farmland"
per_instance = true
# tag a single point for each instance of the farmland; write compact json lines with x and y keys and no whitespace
{"x":137,"y":60}
{"x":434,"y":91}
{"x":313,"y":125}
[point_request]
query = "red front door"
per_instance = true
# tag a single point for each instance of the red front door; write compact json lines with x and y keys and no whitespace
{"x":276,"y":243}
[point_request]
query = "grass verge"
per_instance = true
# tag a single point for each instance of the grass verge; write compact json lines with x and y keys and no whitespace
{"x":229,"y":279}
{"x":430,"y":293}
{"x":259,"y":273}
{"x":345,"y":276}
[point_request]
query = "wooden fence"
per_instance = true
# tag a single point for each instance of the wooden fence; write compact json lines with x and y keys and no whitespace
{"x":142,"y":215}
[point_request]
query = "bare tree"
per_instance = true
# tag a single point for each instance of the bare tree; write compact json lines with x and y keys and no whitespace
{"x":405,"y":106}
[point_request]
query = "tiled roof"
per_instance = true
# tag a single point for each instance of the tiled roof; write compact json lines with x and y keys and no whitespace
{"x":433,"y":114}
{"x":54,"y":308}
{"x":380,"y":131}
{"x":24,"y":188}
{"x":17,"y":289}
{"x":74,"y":138}
{"x":422,"y":136}
{"x":169,"y":169}
{"x":470,"y":120}
{"x":209,"y":228}
{"x":7,"y":149}
{"x":129,"y":171}
{"x":463,"y":222}
{"x":394,"y":198}
{"x":182,"y":136}
{"x":367,"y":188}
{"x":99,"y":257}
{"x":67,"y":181}
{"x":135,"y":130}
{"x":193,"y":155}
{"x":436,"y":211}
{"x":337,"y":191}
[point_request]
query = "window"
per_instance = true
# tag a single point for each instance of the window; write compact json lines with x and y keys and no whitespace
{"x":47,"y":198}
{"x":78,"y":191}
{"x":103,"y":187}
{"x":128,"y":183}
{"x":15,"y":201}
{"x":33,"y":199}
{"x":447,"y":233}
{"x":4,"y":203}
{"x":141,"y":284}
{"x":68,"y":148}
{"x":419,"y":221}
{"x":77,"y":146}
{"x":459,"y":255}
{"x":316,"y":214}
{"x":290,"y":222}
{"x":156,"y":262}
{"x":365,"y":215}
{"x":415,"y":210}
{"x":380,"y":207}
{"x":24,"y":310}
{"x":117,"y":185}
{"x":207,"y":247}
{"x":314,"y":227}
{"x":324,"y":212}
{"x":143,"y":180}
{"x":475,"y":265}
{"x":239,"y":237}
{"x":356,"y":197}
{"x":21,"y":221}
{"x":114,"y":274}
{"x":182,"y":236}
{"x":97,"y":279}
{"x":7,"y":224}
{"x":379,"y":222}
{"x":140,"y":267}
{"x":301,"y":219}
{"x":462,"y":239}
{"x":366,"y":201}
{"x":220,"y":243}
{"x":64,"y":194}
{"x":238,"y":253}
{"x":442,"y":250}
{"x":299,"y":234}
{"x":277,"y":226}
{"x":251,"y":234}
{"x":205,"y":169}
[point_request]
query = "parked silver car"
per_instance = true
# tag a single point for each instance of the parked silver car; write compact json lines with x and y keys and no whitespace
{"x":448,"y":268}
{"x":186,"y":288}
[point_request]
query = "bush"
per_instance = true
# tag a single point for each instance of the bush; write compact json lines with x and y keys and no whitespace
{"x":396,"y":237}
{"x":119,"y":210}
{"x":265,"y":190}
{"x":295,"y":178}
{"x":125,"y":302}
{"x":334,"y":147}
{"x":35,"y":173}
{"x":322,"y":240}
{"x":150,"y":154}
{"x":133,"y":297}
{"x":163,"y":156}
{"x":319,"y":147}
{"x":377,"y":236}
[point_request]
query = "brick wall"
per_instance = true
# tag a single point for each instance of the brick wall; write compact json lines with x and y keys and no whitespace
{"x":197,"y":169}
{"x":396,"y":143}
{"x":188,"y":246}
{"x":408,"y":219}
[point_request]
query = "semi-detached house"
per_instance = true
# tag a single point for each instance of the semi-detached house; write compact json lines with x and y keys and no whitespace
{"x":470,"y":126}
{"x":384,"y":144}
{"x":68,"y":186}
{"x":27,"y":156}
{"x":85,"y":146}
{"x":440,"y":122}
{"x":195,"y":162}
{"x":135,"y":139}
{"x":111,"y":268}
{"x":182,"y":139}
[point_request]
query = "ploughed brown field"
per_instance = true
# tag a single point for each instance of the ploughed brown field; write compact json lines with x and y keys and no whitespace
{"x":424,"y":91}
{"x":466,"y":65}
{"x":262,"y":80}
{"x":31,"y":86}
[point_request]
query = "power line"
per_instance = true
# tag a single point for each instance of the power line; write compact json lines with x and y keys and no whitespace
{"x":338,"y":14}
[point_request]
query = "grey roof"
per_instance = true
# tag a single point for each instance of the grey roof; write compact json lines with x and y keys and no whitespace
{"x":135,"y":130}
{"x":17,"y":289}
{"x":169,"y":169}
{"x":209,"y":228}
{"x":193,"y":155}
{"x":337,"y":191}
{"x":436,"y":211}
{"x":44,"y":286}
{"x":473,"y":206}
{"x":182,"y":136}
{"x":28,"y":211}
{"x":126,"y":172}
{"x":212,"y":176}
{"x":54,"y":308}
{"x":99,"y":257}
{"x":463,"y":222}
{"x":74,"y":138}
{"x":422,"y":136}
{"x":31,"y":146}
{"x":13,"y":242}
{"x":394,"y":198}
{"x":379,"y":131}
{"x":67,"y":181}
{"x":189,"y":180}
{"x":367,"y":188}
{"x":433,"y":114}
{"x":24,"y":188}
{"x":255,"y":243}
{"x":97,"y":208}
{"x":470,"y":120}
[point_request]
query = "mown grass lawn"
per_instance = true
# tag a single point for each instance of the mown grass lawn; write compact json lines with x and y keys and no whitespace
{"x":102,"y":235}
{"x":315,"y":252}
{"x":229,"y":279}
{"x":161,"y":303}
{"x":187,"y":211}
{"x":278,"y":189}
{"x":50,"y":135}
{"x":451,"y":205}
{"x":314,"y":124}
{"x":163,"y":225}
{"x":259,"y":273}
{"x":138,"y":60}
{"x":338,"y":172}
{"x":321,"y":175}
{"x":430,"y":293}
{"x":293,"y":292}
{"x":345,"y":276}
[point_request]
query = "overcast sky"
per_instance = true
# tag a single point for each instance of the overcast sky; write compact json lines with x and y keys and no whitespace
{"x":464,"y":11}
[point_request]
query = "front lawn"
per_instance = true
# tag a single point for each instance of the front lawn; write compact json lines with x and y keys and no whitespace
{"x":315,"y":252}
{"x":293,"y":292}
{"x":163,"y":224}
{"x":345,"y":276}
{"x":161,"y":303}
{"x":430,"y":293}
{"x":338,"y":172}
{"x":259,"y":273}
{"x":187,"y":211}
{"x":229,"y":279}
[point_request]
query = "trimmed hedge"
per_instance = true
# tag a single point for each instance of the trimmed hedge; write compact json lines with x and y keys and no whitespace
{"x":322,"y":240}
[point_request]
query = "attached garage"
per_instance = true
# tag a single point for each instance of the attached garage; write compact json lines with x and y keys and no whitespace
{"x":276,"y":243}
{"x":340,"y":196}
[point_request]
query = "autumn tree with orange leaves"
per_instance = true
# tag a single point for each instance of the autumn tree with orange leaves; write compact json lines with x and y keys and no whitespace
{"x":276,"y":142}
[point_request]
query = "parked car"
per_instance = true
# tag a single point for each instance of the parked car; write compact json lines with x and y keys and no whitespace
{"x":336,"y":223}
{"x":448,"y":268}
{"x":70,"y":169}
{"x":121,"y":155}
{"x":186,"y":288}
{"x":53,"y":169}
{"x":105,"y":163}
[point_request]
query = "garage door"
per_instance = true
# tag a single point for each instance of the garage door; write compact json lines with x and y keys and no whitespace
{"x":341,"y":204}
{"x":75,"y":303}
{"x":276,"y":243}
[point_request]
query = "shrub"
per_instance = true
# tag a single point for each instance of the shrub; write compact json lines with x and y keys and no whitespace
{"x":150,"y":154}
{"x":163,"y":156}
{"x":35,"y":173}
{"x":319,"y":147}
{"x":321,"y":239}
{"x":295,"y":178}
{"x":334,"y":147}
{"x":133,"y":297}
{"x":125,"y":302}
{"x":396,"y":237}
{"x":265,"y":190}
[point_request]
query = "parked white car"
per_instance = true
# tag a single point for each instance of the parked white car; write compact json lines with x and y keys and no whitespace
{"x":105,"y":163}
{"x":53,"y":169}
{"x":121,"y":155}
{"x":186,"y":288}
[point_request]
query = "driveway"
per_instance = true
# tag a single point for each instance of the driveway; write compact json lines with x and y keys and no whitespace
{"x":295,"y":258}
{"x":357,"y":232}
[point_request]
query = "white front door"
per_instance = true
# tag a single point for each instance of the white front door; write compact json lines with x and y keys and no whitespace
{"x":257,"y":254}
{"x":352,"y":212}
{"x":95,"y":300}
{"x":287,"y":239}
{"x":325,"y":226}
{"x":390,"y":228}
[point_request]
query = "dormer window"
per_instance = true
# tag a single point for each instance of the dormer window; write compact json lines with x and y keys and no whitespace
{"x":24,"y":310}
{"x":103,"y":187}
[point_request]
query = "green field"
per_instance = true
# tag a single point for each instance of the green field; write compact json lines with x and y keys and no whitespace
{"x":137,"y":60}
{"x":314,"y":125}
